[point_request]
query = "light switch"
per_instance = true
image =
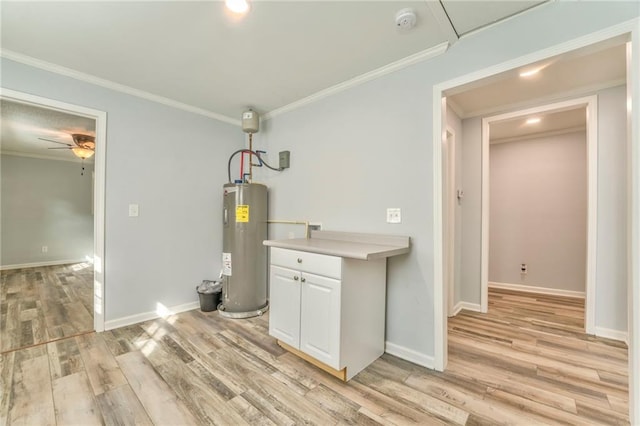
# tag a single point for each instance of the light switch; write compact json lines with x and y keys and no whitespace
{"x":133,"y":210}
{"x":393,"y":215}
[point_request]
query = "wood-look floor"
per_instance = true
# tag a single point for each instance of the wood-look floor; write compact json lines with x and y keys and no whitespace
{"x":516,"y":365}
{"x":38,"y":305}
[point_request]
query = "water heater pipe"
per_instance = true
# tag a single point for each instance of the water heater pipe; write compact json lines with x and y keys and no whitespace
{"x":294,"y":222}
{"x":250,"y":162}
{"x":242,"y":166}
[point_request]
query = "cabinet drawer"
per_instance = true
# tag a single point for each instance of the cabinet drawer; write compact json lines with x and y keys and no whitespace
{"x":321,"y":264}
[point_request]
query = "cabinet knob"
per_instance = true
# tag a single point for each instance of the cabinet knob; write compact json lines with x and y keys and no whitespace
{"x":303,"y":279}
{"x":295,"y":278}
{"x":299,"y":260}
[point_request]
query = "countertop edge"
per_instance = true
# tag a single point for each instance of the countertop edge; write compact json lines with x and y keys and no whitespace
{"x":379,"y":253}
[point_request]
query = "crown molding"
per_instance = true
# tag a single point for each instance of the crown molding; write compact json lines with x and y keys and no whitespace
{"x":368,"y":76}
{"x":88,"y":78}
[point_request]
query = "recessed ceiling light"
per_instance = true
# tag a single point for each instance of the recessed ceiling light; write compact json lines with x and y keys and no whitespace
{"x":237,"y":6}
{"x":530,"y":73}
{"x":533,"y":120}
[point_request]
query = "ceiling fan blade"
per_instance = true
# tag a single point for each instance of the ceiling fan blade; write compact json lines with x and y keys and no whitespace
{"x":61,"y":143}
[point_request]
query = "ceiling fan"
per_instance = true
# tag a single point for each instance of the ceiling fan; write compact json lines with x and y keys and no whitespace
{"x":84,"y":145}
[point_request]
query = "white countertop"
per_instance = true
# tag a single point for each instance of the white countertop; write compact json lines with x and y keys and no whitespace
{"x":347,"y":244}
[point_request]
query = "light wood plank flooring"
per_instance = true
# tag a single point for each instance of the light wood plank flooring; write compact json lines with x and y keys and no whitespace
{"x":38,"y":305}
{"x":517,"y":365}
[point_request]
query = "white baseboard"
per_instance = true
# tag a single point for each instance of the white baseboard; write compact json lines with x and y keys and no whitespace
{"x":146,"y":316}
{"x":409,"y":355}
{"x":38,"y":264}
{"x":475,"y":307}
{"x":540,"y":290}
{"x":608,"y":333}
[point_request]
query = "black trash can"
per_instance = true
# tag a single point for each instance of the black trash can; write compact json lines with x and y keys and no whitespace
{"x":209,"y":293}
{"x":209,"y":301}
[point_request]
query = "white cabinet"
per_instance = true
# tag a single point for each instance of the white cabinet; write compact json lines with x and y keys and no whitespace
{"x":284,"y":301}
{"x":320,"y":318}
{"x":328,"y":309}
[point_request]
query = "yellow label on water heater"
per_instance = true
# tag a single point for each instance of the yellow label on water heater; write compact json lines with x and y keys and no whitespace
{"x":242,"y":213}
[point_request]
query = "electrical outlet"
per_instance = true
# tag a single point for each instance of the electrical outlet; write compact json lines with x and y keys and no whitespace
{"x":523,"y":268}
{"x":45,"y":249}
{"x":133,"y":210}
{"x":393,"y":215}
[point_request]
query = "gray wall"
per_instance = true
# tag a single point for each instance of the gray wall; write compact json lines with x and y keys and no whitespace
{"x":360,"y":151}
{"x":455,"y":123}
{"x":538,"y":212}
{"x":471,"y":241}
{"x":611,"y":280}
{"x":611,"y":265}
{"x":170,"y":162}
{"x":44,"y":203}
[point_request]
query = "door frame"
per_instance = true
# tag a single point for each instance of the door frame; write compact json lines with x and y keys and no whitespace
{"x":100,"y":118}
{"x":631,"y":28}
{"x":449,"y":219}
{"x":591,"y":105}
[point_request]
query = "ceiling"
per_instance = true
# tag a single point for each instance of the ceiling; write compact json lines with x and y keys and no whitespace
{"x":200,"y":55}
{"x":23,"y":124}
{"x":559,"y":121}
{"x":570,"y":74}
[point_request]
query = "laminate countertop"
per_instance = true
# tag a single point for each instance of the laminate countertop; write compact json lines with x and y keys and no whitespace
{"x":347,"y":244}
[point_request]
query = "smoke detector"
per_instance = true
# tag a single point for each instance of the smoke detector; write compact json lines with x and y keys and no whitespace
{"x":405,"y":19}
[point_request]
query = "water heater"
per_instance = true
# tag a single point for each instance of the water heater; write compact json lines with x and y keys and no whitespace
{"x":244,"y":257}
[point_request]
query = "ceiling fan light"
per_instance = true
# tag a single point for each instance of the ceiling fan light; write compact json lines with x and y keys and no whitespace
{"x":237,"y":6}
{"x":82,"y":152}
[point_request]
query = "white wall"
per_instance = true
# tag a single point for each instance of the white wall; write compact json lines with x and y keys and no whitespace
{"x":170,"y":162}
{"x":360,"y":151}
{"x":44,"y":203}
{"x":611,"y":266}
{"x":538,"y":212}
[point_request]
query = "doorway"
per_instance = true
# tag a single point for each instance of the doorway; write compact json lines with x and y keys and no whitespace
{"x":562,"y":112}
{"x":625,"y":31}
{"x":97,"y":201}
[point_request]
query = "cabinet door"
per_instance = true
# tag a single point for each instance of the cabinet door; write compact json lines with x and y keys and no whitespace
{"x":320,"y":319}
{"x":284,"y":305}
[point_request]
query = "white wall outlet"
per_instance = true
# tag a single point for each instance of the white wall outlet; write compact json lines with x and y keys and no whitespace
{"x":133,"y":210}
{"x":393,"y":215}
{"x":524,"y":268}
{"x":45,"y":249}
